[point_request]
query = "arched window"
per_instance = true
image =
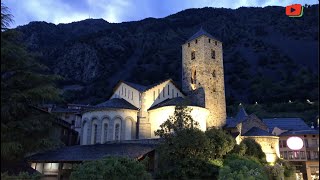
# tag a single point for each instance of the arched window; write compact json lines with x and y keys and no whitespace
{"x":117,"y":132}
{"x":84,"y":133}
{"x":194,"y":77}
{"x":94,"y":131}
{"x":105,"y":132}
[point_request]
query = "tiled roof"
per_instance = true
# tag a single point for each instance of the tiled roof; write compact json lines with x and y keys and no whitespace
{"x":138,"y":87}
{"x":92,"y":152}
{"x":286,"y":123}
{"x":116,"y":103}
{"x":64,"y":110}
{"x":242,"y":114}
{"x":200,"y":33}
{"x":240,"y":117}
{"x":255,"y":131}
{"x":173,"y":102}
{"x":301,"y":132}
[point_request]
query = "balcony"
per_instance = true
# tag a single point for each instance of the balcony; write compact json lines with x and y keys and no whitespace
{"x":312,"y":147}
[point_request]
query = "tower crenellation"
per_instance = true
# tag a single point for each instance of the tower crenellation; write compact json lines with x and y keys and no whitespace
{"x":202,"y":67}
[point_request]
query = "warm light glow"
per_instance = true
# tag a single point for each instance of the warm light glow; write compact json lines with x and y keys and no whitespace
{"x":295,"y":143}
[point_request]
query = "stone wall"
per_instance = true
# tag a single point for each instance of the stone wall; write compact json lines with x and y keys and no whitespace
{"x":127,"y":119}
{"x":160,"y":115}
{"x":205,"y":72}
{"x":269,"y":145}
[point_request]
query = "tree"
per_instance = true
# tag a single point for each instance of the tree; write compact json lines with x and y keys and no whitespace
{"x":24,"y":84}
{"x":254,"y":149}
{"x":180,"y":120}
{"x":6,"y":17}
{"x":186,"y":150}
{"x":186,"y":155}
{"x":242,"y":168}
{"x":110,"y":168}
{"x":221,"y":142}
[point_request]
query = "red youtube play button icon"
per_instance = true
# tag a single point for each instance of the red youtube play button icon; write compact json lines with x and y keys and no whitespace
{"x":294,"y":10}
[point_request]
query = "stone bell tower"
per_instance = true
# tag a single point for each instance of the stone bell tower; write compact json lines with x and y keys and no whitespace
{"x":202,"y":68}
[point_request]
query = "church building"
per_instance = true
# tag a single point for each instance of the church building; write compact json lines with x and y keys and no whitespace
{"x":135,"y":111}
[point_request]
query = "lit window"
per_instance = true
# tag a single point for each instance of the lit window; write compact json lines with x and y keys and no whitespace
{"x":194,"y":77}
{"x":302,"y":154}
{"x":193,"y":55}
{"x":291,"y":155}
{"x":285,"y":155}
{"x":213,"y":54}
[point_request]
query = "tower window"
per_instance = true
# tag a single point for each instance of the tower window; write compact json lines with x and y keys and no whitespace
{"x":193,"y":77}
{"x":131,"y":95}
{"x":158,"y":93}
{"x":168,"y":90}
{"x":213,"y":54}
{"x":125,"y":92}
{"x":193,"y":54}
{"x":188,"y":44}
{"x":196,"y":41}
{"x":209,"y":40}
{"x":214,"y":73}
{"x":216,"y":43}
{"x":154,"y":95}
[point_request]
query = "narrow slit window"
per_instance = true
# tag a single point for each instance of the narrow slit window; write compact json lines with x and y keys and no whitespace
{"x":158,"y":93}
{"x":209,"y":40}
{"x":154,"y":95}
{"x":214,"y":73}
{"x":188,"y":44}
{"x":196,"y":41}
{"x":193,"y":54}
{"x":168,"y":90}
{"x":131,"y":95}
{"x":216,"y":43}
{"x":213,"y":54}
{"x":125,"y":92}
{"x":194,"y":77}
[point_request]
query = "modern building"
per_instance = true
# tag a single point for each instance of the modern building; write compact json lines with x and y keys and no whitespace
{"x":306,"y":159}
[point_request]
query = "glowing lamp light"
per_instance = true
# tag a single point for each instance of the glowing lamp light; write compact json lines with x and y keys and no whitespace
{"x":295,"y":143}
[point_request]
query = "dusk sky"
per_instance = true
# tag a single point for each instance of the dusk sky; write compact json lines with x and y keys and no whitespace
{"x":116,"y":11}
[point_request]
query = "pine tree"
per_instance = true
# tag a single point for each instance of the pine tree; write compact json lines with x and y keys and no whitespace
{"x":24,"y":84}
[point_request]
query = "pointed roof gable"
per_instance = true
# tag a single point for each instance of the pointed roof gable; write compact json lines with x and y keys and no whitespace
{"x":201,"y":32}
{"x":242,"y":114}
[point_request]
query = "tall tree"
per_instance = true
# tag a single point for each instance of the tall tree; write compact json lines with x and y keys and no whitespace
{"x":24,"y":84}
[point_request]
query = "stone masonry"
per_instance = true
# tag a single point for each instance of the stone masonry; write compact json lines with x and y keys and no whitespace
{"x":205,"y":72}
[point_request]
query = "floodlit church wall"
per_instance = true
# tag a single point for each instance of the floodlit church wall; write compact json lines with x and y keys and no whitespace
{"x":124,"y":117}
{"x":160,"y":115}
{"x":128,"y":93}
{"x":152,"y":97}
{"x":269,"y":145}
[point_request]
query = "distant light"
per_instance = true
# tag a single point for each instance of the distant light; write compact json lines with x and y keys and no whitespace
{"x":290,"y":101}
{"x":240,"y":104}
{"x":308,"y":101}
{"x":295,"y":143}
{"x":256,"y":102}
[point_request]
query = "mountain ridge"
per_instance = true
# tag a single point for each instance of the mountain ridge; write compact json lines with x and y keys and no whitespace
{"x":263,"y":49}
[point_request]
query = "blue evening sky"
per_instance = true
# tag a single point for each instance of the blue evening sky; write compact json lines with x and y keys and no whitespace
{"x":116,"y":11}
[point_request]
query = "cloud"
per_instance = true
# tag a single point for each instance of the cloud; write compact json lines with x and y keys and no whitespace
{"x":66,"y":11}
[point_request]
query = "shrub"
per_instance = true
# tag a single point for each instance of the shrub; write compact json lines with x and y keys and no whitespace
{"x":110,"y":168}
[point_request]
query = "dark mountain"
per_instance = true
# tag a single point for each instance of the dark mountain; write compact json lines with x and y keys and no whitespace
{"x":268,"y":57}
